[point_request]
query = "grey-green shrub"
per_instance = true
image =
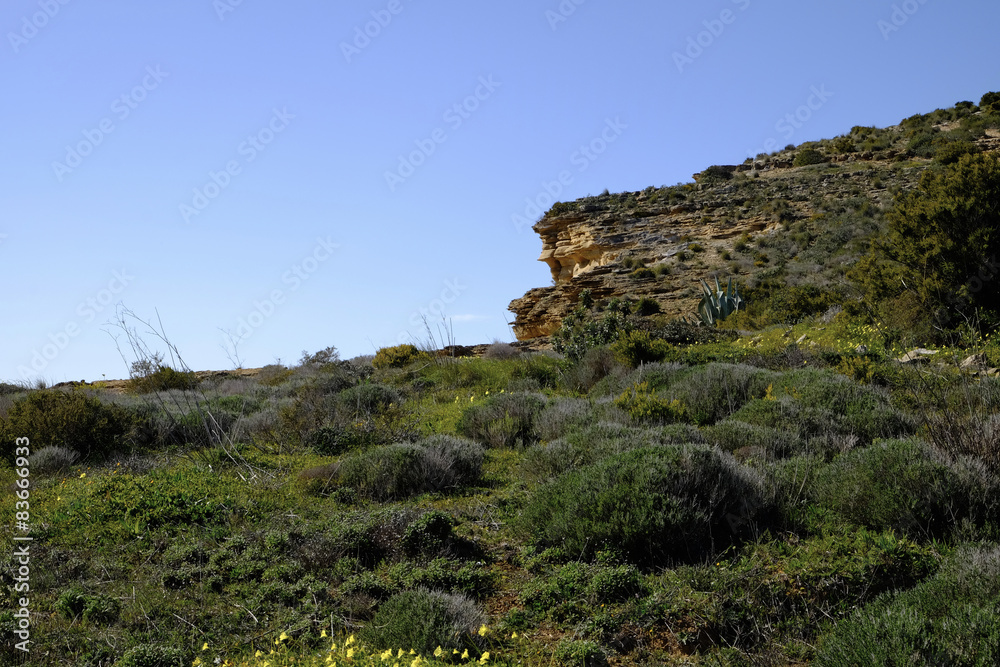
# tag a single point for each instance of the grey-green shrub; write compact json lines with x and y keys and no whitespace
{"x":502,"y":420}
{"x":438,"y":463}
{"x":952,"y":619}
{"x":731,"y":435}
{"x":423,"y":620}
{"x":654,"y":505}
{"x":715,"y":391}
{"x":53,"y":459}
{"x":152,"y":655}
{"x":905,"y":486}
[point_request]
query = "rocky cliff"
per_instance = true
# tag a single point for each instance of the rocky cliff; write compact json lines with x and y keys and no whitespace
{"x":658,"y":243}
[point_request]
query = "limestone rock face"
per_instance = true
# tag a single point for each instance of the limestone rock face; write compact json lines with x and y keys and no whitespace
{"x":686,"y":233}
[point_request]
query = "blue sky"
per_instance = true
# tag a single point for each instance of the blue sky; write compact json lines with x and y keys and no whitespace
{"x":307,"y":174}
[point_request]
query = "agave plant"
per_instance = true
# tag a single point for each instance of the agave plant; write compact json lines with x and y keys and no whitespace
{"x":718,"y":305}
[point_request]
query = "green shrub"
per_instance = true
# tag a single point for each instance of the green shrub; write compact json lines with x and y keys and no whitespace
{"x":52,"y":459}
{"x":653,"y":505}
{"x":162,"y":378}
{"x":637,"y":347}
{"x":502,"y":420}
{"x":368,"y":398}
{"x":582,"y":330}
{"x":579,"y":653}
{"x":730,"y":436}
{"x":335,"y":440}
{"x":950,"y":619}
{"x":645,"y":406}
{"x":953,"y":151}
{"x":594,"y":443}
{"x":423,"y":620}
{"x":715,"y":391}
{"x":428,"y":534}
{"x":153,"y":655}
{"x":438,"y":463}
{"x":808,"y":156}
{"x":71,"y":420}
{"x":395,"y":357}
{"x":642,"y":274}
{"x":902,"y":485}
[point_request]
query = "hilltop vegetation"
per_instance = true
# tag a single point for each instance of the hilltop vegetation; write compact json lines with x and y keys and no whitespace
{"x":786,"y":487}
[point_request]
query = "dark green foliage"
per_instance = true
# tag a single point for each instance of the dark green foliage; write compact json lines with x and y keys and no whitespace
{"x":335,"y":440}
{"x":153,"y":655}
{"x":901,"y":485}
{"x":424,"y":620}
{"x":952,"y":152}
{"x":502,"y":420}
{"x":638,"y":347}
{"x":646,"y":307}
{"x":428,"y":534}
{"x":438,"y":463}
{"x":579,"y":653}
{"x":808,"y":156}
{"x":951,"y":619}
{"x":941,"y":244}
{"x":72,"y":420}
{"x":774,"y":302}
{"x":583,"y":330}
{"x":654,"y":505}
{"x":758,"y":441}
{"x":163,"y":378}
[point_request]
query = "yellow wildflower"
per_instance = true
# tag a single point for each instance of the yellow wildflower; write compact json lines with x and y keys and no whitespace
{"x":438,"y":652}
{"x":204,"y":647}
{"x":486,"y":656}
{"x":483,"y":630}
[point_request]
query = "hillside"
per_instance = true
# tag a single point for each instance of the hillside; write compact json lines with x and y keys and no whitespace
{"x":793,"y":484}
{"x":800,"y":215}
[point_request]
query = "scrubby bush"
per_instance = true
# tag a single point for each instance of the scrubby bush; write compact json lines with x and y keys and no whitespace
{"x":438,"y":463}
{"x":808,"y":156}
{"x":428,"y":534}
{"x":638,"y":347}
{"x":395,"y":357}
{"x":153,"y":376}
{"x":71,"y":420}
{"x":653,"y":505}
{"x":591,"y":444}
{"x":715,"y":391}
{"x":153,"y":655}
{"x":583,"y":330}
{"x":499,"y":350}
{"x":758,"y":441}
{"x":644,"y":405}
{"x":424,"y":620}
{"x":53,"y":459}
{"x":950,"y":619}
{"x":368,"y":398}
{"x":502,"y":420}
{"x":902,"y":485}
{"x":561,"y":415}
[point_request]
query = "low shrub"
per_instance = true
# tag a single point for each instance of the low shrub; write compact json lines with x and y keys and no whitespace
{"x":951,"y":619}
{"x":424,"y":620}
{"x":162,"y":378}
{"x":715,"y":391}
{"x":502,"y":420}
{"x":438,"y":463}
{"x":643,"y":405}
{"x":395,"y":357}
{"x":638,"y":347}
{"x":903,"y":485}
{"x":429,"y":534}
{"x":70,"y":420}
{"x":367,"y":399}
{"x":53,"y":459}
{"x":592,"y":444}
{"x":653,"y":505}
{"x":153,"y":655}
{"x":499,"y":350}
{"x":758,"y":441}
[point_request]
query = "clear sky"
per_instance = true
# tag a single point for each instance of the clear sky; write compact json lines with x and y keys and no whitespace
{"x":306,"y":174}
